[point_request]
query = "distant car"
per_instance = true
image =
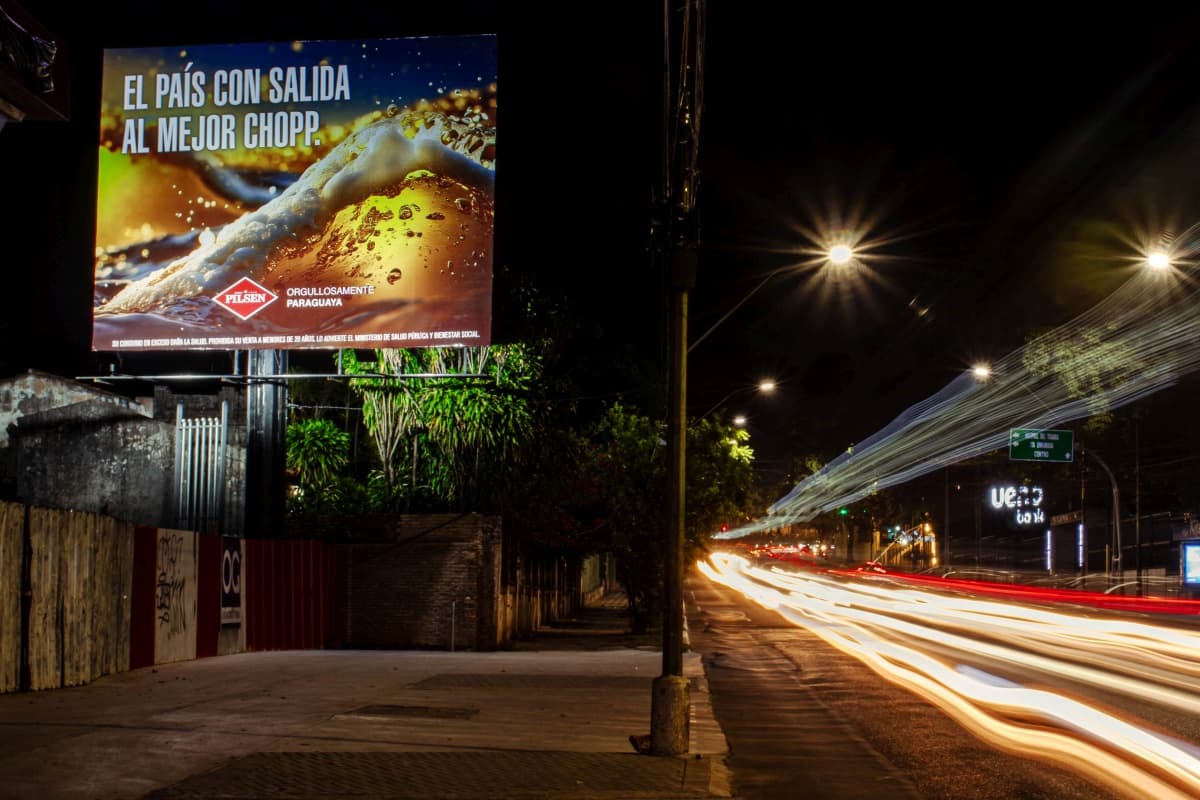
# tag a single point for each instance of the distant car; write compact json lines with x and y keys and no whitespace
{"x":871,"y":566}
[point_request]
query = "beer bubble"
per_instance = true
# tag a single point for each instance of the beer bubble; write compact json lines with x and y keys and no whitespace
{"x":394,"y":275}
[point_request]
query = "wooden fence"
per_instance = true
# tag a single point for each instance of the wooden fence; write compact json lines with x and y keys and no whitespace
{"x":83,"y":595}
{"x":74,"y":626}
{"x":12,"y":524}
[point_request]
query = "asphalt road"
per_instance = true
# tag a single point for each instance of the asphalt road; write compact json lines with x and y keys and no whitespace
{"x":805,"y":720}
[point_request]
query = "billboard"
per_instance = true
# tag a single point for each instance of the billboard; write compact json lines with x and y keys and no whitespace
{"x":308,"y":194}
{"x":1189,"y":552}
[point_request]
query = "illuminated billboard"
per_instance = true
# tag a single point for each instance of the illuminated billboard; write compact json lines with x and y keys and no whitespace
{"x":1189,"y":552}
{"x":301,"y":194}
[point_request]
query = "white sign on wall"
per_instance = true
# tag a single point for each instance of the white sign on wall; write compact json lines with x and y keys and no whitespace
{"x":231,"y":580}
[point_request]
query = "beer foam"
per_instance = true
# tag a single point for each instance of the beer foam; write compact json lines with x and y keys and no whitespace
{"x":371,"y":160}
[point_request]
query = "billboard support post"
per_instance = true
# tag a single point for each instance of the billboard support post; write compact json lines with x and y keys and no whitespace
{"x":266,"y":446}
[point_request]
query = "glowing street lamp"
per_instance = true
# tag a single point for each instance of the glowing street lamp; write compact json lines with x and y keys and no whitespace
{"x":981,"y":372}
{"x":840,"y":254}
{"x":1158,"y":260}
{"x":766,"y":387}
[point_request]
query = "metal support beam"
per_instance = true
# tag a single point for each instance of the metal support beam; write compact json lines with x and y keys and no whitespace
{"x":266,"y":446}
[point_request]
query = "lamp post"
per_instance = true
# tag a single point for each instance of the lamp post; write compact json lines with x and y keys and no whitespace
{"x":1114,"y":562}
{"x":838,"y":254}
{"x":766,"y":387}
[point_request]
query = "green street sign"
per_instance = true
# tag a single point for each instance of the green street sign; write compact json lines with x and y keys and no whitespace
{"x":1030,"y":444}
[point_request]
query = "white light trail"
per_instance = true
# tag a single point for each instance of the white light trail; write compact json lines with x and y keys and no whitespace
{"x":1138,"y":341}
{"x":940,"y":645}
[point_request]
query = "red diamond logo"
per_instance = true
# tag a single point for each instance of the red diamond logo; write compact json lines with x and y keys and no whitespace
{"x":245,"y":298}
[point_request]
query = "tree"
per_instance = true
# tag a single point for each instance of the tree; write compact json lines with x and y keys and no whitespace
{"x":480,"y":425}
{"x":317,"y":451}
{"x":630,"y":467}
{"x":720,"y":480}
{"x":466,"y":409}
{"x":1088,"y":362}
{"x":391,"y":407}
{"x":629,"y":464}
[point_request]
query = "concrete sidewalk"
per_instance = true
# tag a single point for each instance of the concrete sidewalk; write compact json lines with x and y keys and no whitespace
{"x":548,"y":719}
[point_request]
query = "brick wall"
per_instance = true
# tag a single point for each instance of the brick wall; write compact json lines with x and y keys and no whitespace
{"x":429,"y":581}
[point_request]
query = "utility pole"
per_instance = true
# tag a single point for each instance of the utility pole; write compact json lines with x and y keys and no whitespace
{"x":683,"y":28}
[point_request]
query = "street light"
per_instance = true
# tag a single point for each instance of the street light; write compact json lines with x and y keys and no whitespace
{"x":840,"y":254}
{"x":766,"y":387}
{"x":1158,"y":260}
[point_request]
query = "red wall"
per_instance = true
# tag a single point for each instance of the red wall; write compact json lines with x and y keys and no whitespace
{"x":208,"y":594}
{"x":145,"y":575}
{"x":287,"y":590}
{"x":289,"y":593}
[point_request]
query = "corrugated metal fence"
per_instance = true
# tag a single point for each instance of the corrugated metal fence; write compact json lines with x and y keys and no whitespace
{"x":200,"y":454}
{"x":289,"y":594}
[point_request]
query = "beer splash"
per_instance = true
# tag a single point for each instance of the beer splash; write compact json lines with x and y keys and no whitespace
{"x":401,"y":201}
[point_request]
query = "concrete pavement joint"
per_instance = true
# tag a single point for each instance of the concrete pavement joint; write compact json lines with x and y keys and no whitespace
{"x":536,"y":775}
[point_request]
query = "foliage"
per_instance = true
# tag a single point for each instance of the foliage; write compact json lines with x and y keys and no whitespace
{"x":1088,"y":362}
{"x":508,"y":429}
{"x":317,"y":451}
{"x":630,"y":469}
{"x":391,"y":411}
{"x":454,"y":415}
{"x":479,"y":427}
{"x":720,"y":480}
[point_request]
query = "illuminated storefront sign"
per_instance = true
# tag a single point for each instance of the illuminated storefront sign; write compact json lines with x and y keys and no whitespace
{"x":1024,"y":501}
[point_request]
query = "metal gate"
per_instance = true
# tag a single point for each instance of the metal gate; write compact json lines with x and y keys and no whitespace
{"x":200,"y":449}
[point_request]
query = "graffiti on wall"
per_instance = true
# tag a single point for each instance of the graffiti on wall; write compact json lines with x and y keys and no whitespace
{"x":172,"y":584}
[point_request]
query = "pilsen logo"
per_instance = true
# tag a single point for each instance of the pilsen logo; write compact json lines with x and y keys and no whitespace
{"x":245,"y":298}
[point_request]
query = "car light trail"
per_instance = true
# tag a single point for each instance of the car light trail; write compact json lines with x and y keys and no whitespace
{"x":1139,"y":340}
{"x":963,"y":654}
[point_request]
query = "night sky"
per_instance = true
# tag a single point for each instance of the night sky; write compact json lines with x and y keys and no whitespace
{"x":998,"y":170}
